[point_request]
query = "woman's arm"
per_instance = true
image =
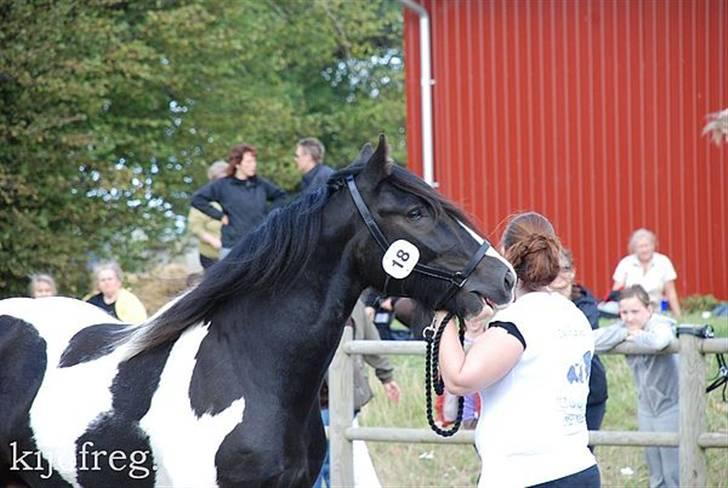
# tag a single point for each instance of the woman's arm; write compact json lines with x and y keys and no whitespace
{"x":203,"y":198}
{"x":490,"y":358}
{"x":671,"y":294}
{"x":617,"y":285}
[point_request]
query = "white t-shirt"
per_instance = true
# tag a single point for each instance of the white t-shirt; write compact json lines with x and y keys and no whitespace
{"x":660,"y":270}
{"x":532,"y":426}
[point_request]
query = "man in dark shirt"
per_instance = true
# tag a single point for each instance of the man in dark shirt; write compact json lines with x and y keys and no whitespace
{"x":309,"y":160}
{"x":243,"y":196}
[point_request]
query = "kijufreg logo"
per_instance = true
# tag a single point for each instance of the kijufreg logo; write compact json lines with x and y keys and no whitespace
{"x":89,"y":459}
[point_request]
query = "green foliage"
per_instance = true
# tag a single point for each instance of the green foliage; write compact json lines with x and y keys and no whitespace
{"x":111,"y":111}
{"x":699,"y":303}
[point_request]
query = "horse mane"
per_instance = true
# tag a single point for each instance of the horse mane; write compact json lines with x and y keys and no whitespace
{"x":270,"y":257}
{"x":438,"y":204}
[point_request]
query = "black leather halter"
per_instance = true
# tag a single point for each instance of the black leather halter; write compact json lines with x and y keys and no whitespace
{"x":456,"y":279}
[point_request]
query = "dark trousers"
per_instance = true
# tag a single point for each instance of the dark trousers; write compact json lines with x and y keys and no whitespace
{"x":594,"y":416}
{"x":589,"y":478}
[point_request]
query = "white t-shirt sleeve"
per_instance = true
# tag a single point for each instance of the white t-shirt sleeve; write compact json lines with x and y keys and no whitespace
{"x":620,"y":272}
{"x":668,"y":273}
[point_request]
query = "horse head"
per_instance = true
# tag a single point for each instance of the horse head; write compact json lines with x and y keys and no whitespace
{"x":412,"y":242}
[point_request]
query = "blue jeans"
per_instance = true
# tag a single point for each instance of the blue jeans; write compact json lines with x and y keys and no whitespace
{"x":324,"y":477}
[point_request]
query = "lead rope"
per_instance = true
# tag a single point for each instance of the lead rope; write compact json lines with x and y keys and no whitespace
{"x":433,"y":380}
{"x":721,"y":378}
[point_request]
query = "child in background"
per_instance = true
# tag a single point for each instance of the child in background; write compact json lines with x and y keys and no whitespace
{"x":656,"y":376}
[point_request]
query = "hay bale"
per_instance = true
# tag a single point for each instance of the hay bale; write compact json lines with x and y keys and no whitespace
{"x":159,"y":286}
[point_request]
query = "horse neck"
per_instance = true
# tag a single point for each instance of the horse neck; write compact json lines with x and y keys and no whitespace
{"x":295,"y":331}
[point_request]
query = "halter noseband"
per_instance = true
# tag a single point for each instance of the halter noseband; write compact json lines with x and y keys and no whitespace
{"x":456,"y":279}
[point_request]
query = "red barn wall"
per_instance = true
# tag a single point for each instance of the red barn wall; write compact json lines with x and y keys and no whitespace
{"x":589,"y":112}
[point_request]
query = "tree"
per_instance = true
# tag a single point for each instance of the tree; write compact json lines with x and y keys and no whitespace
{"x":110,"y":112}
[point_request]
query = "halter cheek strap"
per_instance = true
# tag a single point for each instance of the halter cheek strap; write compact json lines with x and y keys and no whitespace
{"x":457,"y":279}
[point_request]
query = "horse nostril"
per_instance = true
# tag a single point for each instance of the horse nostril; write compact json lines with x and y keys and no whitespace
{"x":509,"y":280}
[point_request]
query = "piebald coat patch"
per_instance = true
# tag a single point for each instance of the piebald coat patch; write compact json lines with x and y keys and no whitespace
{"x":71,"y":399}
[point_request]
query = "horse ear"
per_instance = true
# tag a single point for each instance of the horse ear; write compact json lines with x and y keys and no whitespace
{"x":378,"y":165}
{"x":365,"y":153}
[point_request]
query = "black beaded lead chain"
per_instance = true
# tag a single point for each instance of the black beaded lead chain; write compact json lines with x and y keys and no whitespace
{"x":433,"y":379}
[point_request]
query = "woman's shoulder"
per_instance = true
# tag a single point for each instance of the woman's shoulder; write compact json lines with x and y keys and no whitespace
{"x":126,"y":294}
{"x":627,"y":260}
{"x":661,"y":258}
{"x":537,"y":306}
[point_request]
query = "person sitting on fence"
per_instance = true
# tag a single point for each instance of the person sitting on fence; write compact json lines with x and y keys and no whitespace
{"x":656,"y":376}
{"x":113,"y":298}
{"x":446,"y":405}
{"x":42,"y":285}
{"x":364,"y":329}
{"x":565,"y":283}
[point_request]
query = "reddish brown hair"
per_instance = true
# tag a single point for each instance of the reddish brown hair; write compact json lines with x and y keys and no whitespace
{"x":531,"y":245}
{"x":236,"y":155}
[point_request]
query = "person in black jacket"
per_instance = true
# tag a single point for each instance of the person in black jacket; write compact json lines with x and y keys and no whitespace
{"x":596,"y":403}
{"x":243,"y":195}
{"x":310,"y":161}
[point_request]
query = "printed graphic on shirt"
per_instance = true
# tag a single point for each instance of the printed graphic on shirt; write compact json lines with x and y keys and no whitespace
{"x":573,"y":402}
{"x":579,"y":372}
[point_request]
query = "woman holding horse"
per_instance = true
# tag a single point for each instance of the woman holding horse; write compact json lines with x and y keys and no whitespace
{"x":531,"y":367}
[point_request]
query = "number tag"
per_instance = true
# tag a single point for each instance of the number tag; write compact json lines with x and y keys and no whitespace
{"x":400,"y":259}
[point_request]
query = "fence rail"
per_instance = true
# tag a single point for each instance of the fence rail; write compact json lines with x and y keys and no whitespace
{"x":692,"y":440}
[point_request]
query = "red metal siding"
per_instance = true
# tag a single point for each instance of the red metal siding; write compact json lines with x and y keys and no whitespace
{"x":589,"y":112}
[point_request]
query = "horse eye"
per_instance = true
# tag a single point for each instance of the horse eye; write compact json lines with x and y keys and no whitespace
{"x":415,"y":214}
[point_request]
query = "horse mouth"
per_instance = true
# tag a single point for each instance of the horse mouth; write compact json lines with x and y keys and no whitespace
{"x":489,"y":307}
{"x":479,"y":307}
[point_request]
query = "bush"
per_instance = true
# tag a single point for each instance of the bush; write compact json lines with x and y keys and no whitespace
{"x":699,"y":303}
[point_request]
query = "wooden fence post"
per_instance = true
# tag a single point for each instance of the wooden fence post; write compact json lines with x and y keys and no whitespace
{"x":341,"y":412}
{"x":692,"y":407}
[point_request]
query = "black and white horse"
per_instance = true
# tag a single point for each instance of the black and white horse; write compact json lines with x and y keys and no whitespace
{"x":220,"y":388}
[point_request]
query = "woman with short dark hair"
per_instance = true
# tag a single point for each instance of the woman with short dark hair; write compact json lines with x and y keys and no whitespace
{"x":243,"y":195}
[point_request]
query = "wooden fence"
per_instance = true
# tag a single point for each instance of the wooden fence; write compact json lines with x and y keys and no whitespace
{"x":691,"y":439}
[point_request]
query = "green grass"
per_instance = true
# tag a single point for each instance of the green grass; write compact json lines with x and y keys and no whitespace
{"x":401,"y":465}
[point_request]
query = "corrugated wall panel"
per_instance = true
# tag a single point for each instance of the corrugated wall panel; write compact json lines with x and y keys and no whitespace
{"x":589,"y":112}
